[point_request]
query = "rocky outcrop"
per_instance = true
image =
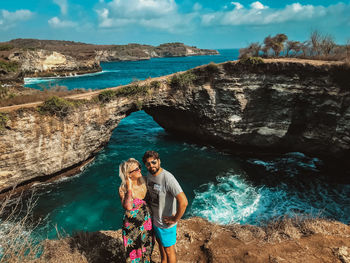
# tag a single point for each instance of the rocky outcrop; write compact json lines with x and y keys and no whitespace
{"x":51,"y":63}
{"x":143,"y":52}
{"x":271,"y":107}
{"x":115,"y":55}
{"x":198,"y":240}
{"x":268,"y":107}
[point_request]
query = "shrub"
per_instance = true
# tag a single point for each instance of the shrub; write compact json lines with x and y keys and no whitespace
{"x":9,"y":66}
{"x":182,"y":81}
{"x":106,"y":96}
{"x":6,"y":47}
{"x":132,"y":89}
{"x":212,"y":69}
{"x":155,"y":84}
{"x":57,"y":106}
{"x":3,"y":120}
{"x":251,"y":61}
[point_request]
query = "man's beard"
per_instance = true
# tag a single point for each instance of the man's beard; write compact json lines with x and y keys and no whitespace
{"x":154,"y":171}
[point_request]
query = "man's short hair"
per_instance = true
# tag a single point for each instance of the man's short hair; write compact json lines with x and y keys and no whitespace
{"x":149,"y":154}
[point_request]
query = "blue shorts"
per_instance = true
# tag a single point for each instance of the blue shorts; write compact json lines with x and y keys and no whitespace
{"x":167,"y":236}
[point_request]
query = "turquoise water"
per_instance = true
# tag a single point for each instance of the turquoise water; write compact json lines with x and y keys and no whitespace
{"x":221,"y":187}
{"x":120,"y":73}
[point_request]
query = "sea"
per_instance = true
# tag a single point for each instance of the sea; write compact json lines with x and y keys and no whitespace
{"x":221,"y":187}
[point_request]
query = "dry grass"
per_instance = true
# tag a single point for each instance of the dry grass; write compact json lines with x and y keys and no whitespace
{"x":15,"y":96}
{"x":289,"y":228}
{"x":83,"y":247}
{"x":16,"y":228}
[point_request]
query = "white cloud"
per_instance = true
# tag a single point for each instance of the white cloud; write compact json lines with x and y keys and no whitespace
{"x":63,"y":5}
{"x":10,"y":19}
{"x":237,"y":5}
{"x":165,"y":15}
{"x":258,"y":5}
{"x":147,"y":9}
{"x":259,"y":14}
{"x":58,"y":23}
{"x":160,"y":14}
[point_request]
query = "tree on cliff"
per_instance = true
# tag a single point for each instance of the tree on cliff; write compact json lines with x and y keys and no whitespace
{"x":275,"y":43}
{"x":315,"y":40}
{"x":293,"y":46}
{"x":327,"y":45}
{"x":321,"y":44}
{"x":251,"y":51}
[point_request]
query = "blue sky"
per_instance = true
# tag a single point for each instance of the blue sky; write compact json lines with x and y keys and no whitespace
{"x":205,"y":24}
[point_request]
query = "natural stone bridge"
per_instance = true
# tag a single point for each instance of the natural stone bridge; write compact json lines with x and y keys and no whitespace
{"x":275,"y":106}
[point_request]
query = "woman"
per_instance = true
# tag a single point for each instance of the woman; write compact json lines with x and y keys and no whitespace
{"x":137,"y":224}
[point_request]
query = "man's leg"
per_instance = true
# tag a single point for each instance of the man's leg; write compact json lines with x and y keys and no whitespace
{"x":171,"y":254}
{"x":163,"y":255}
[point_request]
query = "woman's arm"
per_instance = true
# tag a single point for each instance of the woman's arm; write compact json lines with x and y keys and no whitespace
{"x":126,"y":198}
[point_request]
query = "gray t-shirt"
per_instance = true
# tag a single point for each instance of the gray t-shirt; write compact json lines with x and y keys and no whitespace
{"x":163,"y":188}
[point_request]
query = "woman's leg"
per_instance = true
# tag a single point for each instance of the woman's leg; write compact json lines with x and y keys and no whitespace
{"x":163,"y":255}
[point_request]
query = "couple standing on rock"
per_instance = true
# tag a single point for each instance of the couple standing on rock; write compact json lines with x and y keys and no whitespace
{"x":150,"y":209}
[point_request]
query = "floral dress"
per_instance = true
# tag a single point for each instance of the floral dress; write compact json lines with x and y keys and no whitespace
{"x":138,"y":233}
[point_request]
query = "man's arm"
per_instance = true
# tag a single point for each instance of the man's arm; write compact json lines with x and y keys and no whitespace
{"x":182,"y":204}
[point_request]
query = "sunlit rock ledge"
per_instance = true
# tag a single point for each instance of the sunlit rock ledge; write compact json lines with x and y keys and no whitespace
{"x":271,"y":107}
{"x":286,"y":241}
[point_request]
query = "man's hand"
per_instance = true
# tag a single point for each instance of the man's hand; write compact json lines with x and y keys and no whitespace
{"x":169,"y":220}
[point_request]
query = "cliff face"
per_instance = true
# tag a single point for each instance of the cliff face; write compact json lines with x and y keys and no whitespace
{"x":51,"y":63}
{"x":274,"y":106}
{"x":34,"y":145}
{"x":143,"y":52}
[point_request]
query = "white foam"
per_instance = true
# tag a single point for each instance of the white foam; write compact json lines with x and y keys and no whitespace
{"x":46,"y":79}
{"x":232,"y":200}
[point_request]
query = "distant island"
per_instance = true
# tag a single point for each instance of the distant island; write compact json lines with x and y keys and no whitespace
{"x":21,"y":58}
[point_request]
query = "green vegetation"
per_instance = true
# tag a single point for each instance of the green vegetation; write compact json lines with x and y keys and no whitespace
{"x":129,"y":90}
{"x":9,"y":66}
{"x":6,"y":47}
{"x":3,"y":120}
{"x":155,"y":84}
{"x":106,"y":96}
{"x":212,"y":69}
{"x":251,"y":61}
{"x":57,"y":106}
{"x":182,"y":81}
{"x":132,"y":89}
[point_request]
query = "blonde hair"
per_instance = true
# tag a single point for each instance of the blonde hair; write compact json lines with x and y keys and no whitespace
{"x":124,"y":169}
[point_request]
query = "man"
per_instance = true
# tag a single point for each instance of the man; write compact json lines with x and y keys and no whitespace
{"x":165,"y":191}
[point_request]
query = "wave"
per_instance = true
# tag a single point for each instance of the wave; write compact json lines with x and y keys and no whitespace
{"x":232,"y":199}
{"x":47,"y":79}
